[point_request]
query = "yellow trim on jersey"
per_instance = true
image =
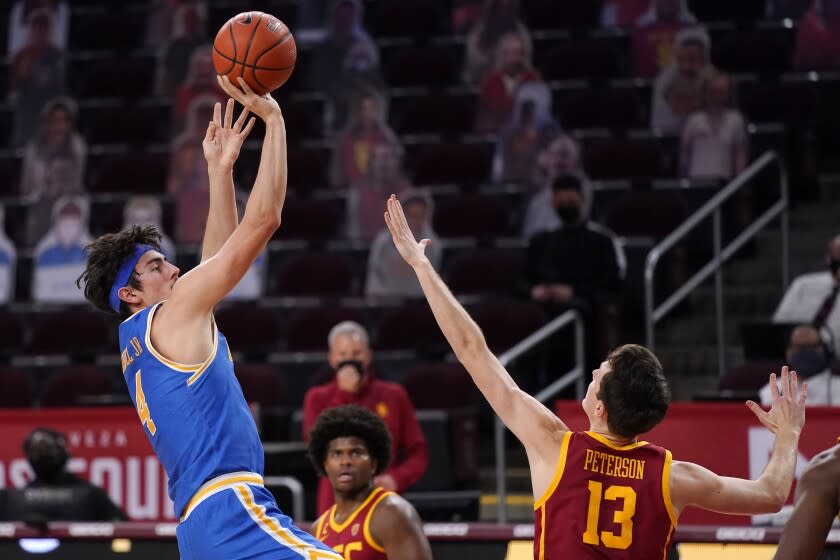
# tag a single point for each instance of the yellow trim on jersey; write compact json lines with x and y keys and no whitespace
{"x":558,"y":472}
{"x":542,"y":531}
{"x":366,"y":527}
{"x":160,"y":357}
{"x":666,"y":488}
{"x":339,"y":527}
{"x":319,"y":524}
{"x":279,"y":533}
{"x":612,"y":445}
{"x":215,"y":485}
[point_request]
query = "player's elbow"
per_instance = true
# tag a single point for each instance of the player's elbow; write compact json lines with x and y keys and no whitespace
{"x":265,"y":221}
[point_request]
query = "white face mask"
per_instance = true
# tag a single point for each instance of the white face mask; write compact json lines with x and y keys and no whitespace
{"x":68,"y":231}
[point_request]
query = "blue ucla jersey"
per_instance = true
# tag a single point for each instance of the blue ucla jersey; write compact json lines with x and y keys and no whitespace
{"x":195,"y":416}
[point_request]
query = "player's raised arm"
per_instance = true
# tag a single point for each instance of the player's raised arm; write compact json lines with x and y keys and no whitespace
{"x":199,"y":290}
{"x":527,"y":418}
{"x":221,"y":145}
{"x":693,"y":485}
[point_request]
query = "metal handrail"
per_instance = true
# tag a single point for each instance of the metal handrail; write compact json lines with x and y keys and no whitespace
{"x":295,"y":487}
{"x":573,"y":375}
{"x":721,"y":254}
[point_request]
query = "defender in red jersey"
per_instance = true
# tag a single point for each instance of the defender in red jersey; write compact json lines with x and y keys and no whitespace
{"x":602,"y":493}
{"x":816,"y":505}
{"x":350,"y":445}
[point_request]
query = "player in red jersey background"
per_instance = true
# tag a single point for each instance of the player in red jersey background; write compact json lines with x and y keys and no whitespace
{"x":350,"y":445}
{"x":602,"y":493}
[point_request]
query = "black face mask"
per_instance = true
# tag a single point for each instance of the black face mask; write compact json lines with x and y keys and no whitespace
{"x":568,"y":213}
{"x":356,"y":364}
{"x":834,"y":266}
{"x":808,"y":362}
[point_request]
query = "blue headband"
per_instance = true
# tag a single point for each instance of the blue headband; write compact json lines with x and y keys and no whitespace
{"x":124,"y":273}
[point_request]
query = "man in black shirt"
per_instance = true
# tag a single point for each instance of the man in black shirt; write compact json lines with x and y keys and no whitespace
{"x":55,"y":494}
{"x":580,"y":265}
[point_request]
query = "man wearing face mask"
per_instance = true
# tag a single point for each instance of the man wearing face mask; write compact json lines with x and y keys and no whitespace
{"x":809,"y":357}
{"x":579,"y":265}
{"x":354,"y":383}
{"x":55,"y":494}
{"x":812,"y":298}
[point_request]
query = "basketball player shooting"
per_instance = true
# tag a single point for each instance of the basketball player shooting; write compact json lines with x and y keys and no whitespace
{"x":602,"y":493}
{"x":178,"y":367}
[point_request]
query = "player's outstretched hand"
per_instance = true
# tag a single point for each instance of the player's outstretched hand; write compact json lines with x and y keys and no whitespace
{"x":410,"y":249}
{"x":224,"y":137}
{"x":787,"y":411}
{"x":264,"y":106}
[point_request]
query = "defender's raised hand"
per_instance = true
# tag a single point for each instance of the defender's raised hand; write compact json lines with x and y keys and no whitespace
{"x":410,"y":249}
{"x":224,"y":137}
{"x":264,"y":106}
{"x":787,"y":411}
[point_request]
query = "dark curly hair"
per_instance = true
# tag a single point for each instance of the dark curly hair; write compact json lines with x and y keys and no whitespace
{"x":105,"y":255}
{"x":635,"y":392}
{"x":350,"y":421}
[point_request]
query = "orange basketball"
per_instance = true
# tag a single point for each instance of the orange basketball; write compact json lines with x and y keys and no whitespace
{"x":257,"y":46}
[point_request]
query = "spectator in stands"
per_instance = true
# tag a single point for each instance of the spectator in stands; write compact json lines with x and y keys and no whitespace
{"x":37,"y":75}
{"x":529,"y":130}
{"x":367,"y":197}
{"x":387,"y":272}
{"x":160,"y":18}
{"x":679,"y":88}
{"x":498,"y":19}
{"x":812,"y":298}
{"x":188,"y":181}
{"x":818,"y":37}
{"x":200,"y":82}
{"x":19,"y":23}
{"x":53,"y":165}
{"x":466,"y":14}
{"x":55,"y":494}
{"x":8,"y":262}
{"x":365,"y":130}
{"x":188,"y":33}
{"x":811,"y":359}
{"x":345,"y":62}
{"x":147,"y":211}
{"x":793,"y":9}
{"x":355,"y":383}
{"x":655,"y":34}
{"x":559,"y":158}
{"x":60,"y":257}
{"x":500,"y":86}
{"x":714,"y":139}
{"x":580,"y":265}
{"x":622,"y":13}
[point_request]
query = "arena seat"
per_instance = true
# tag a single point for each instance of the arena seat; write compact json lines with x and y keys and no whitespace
{"x":308,"y":166}
{"x":313,"y":274}
{"x":260,"y":383}
{"x":763,"y":51}
{"x":793,"y":102}
{"x":461,"y":163}
{"x":411,"y":326}
{"x":484,"y":271}
{"x":435,"y":113}
{"x":309,"y":328}
{"x":472,"y":215}
{"x":590,"y":59}
{"x":310,"y":219}
{"x":67,"y":386}
{"x":601,"y":108}
{"x":394,"y":18}
{"x":11,"y":332}
{"x":137,"y":172}
{"x":423,"y":384}
{"x":507,"y":322}
{"x":623,"y":158}
{"x":646,"y":213}
{"x":78,"y":332}
{"x":15,"y":388}
{"x":425,"y":65}
{"x":248,"y":328}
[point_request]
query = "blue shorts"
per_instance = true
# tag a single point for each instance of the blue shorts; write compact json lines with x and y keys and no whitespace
{"x":233,"y":517}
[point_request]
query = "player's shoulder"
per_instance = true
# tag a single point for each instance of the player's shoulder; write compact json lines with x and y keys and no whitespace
{"x":823,"y":468}
{"x":393,"y":509}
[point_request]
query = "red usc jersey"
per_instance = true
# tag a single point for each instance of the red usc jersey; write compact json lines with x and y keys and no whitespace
{"x":606,"y":502}
{"x":352,"y":538}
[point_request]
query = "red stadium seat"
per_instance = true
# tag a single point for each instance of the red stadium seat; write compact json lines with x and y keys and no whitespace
{"x":583,"y":59}
{"x":649,"y":213}
{"x":67,"y":386}
{"x":484,"y":271}
{"x":310,"y":219}
{"x":762,"y":51}
{"x":11,"y":332}
{"x":426,"y":65}
{"x":260,"y":384}
{"x":77,"y":332}
{"x":423,"y":384}
{"x":505,"y":323}
{"x":472,"y":215}
{"x":308,"y":167}
{"x":314,"y":274}
{"x":463,"y":164}
{"x":623,"y":158}
{"x":15,"y":388}
{"x":750,"y":376}
{"x":308,"y":330}
{"x":248,"y":328}
{"x":449,"y":115}
{"x":406,"y":17}
{"x":135,"y":173}
{"x":601,"y":108}
{"x":410,"y":327}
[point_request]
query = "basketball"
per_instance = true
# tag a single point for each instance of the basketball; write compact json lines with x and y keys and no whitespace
{"x":258,"y":47}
